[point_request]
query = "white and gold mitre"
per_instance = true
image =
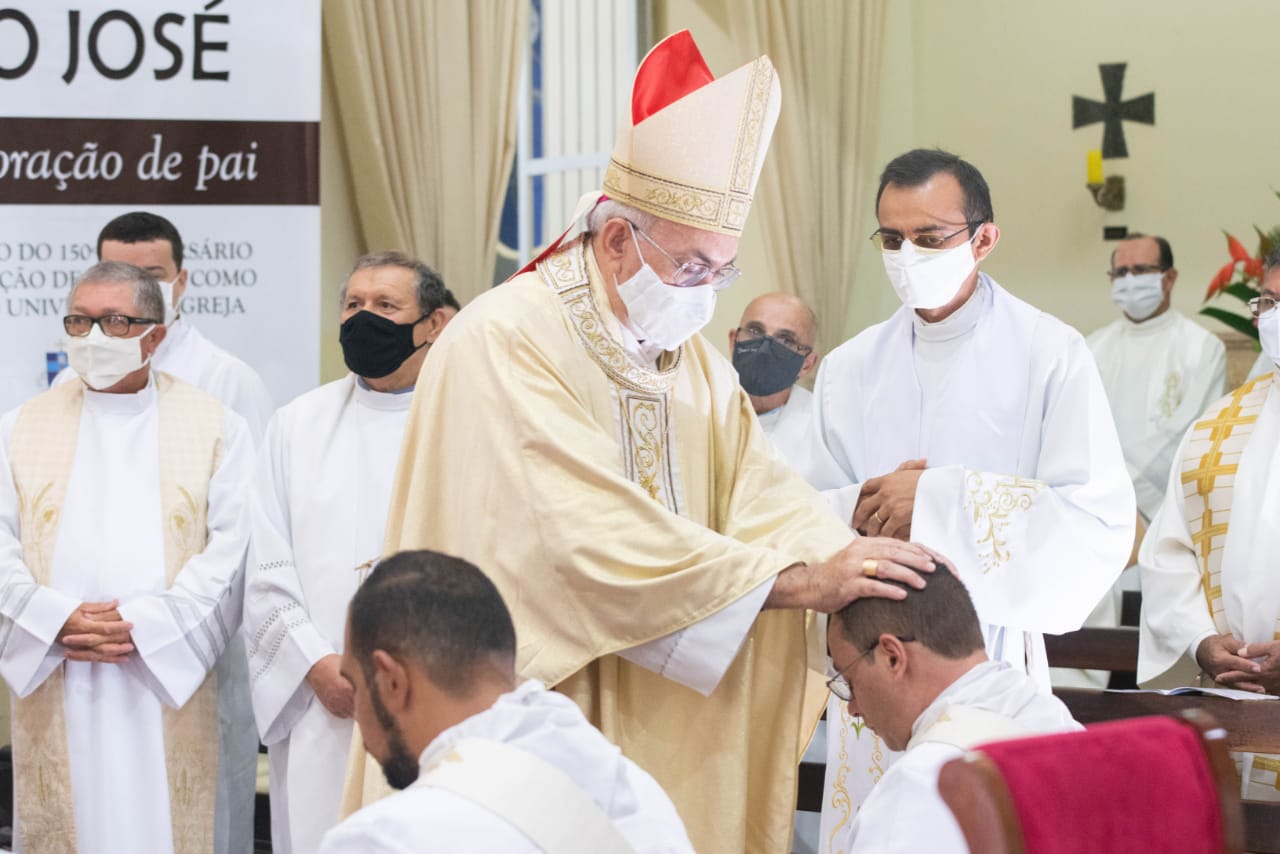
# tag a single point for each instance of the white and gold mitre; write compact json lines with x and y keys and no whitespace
{"x":692,"y":147}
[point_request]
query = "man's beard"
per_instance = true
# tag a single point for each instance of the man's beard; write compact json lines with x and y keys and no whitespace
{"x":400,"y":767}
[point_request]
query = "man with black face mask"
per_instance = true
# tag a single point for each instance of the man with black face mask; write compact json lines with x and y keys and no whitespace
{"x":772,"y":351}
{"x":324,"y":481}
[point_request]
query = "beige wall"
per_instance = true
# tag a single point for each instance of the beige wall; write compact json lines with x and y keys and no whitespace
{"x":993,"y":79}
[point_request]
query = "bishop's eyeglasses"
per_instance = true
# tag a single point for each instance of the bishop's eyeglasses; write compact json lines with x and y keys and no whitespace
{"x":690,"y":274}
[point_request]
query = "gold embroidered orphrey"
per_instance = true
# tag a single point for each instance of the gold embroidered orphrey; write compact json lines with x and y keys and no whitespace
{"x":1209,"y":464}
{"x":42,"y":450}
{"x":994,"y":502}
{"x":643,"y":410}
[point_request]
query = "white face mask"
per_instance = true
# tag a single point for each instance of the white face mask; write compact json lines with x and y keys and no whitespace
{"x":166,"y":293}
{"x":1138,"y":295}
{"x":923,"y":279}
{"x":1269,"y":335}
{"x":663,"y":314}
{"x":102,"y":361}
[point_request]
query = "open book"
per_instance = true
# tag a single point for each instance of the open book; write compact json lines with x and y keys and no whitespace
{"x":1228,"y":693}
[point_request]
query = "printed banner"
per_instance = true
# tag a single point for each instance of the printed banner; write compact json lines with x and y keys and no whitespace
{"x":207,"y":113}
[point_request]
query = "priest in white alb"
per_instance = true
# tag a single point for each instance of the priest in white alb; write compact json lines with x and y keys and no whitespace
{"x":573,"y":435}
{"x":975,"y":424}
{"x":319,"y":512}
{"x":1210,"y":591}
{"x":773,"y":349}
{"x":122,"y":542}
{"x":153,"y":243}
{"x":1160,"y":369}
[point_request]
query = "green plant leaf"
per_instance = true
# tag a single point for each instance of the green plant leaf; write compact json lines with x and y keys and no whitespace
{"x":1241,"y":291}
{"x":1235,"y":321}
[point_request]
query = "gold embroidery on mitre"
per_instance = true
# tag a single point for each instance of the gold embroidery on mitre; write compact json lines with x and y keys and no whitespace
{"x":751,"y":126}
{"x":1209,"y":465}
{"x":994,"y":506}
{"x":675,"y":200}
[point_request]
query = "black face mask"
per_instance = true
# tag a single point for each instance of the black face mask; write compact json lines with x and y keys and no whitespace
{"x":766,"y":366}
{"x":373,"y":346}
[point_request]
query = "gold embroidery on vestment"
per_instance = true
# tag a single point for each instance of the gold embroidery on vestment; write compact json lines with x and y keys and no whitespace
{"x":994,"y":506}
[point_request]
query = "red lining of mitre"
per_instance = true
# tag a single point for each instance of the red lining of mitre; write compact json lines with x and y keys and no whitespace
{"x":673,"y":69}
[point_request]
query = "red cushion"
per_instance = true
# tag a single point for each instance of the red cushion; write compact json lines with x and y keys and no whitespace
{"x":1136,"y":785}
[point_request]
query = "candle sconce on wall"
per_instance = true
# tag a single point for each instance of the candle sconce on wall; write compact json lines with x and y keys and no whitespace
{"x":1108,"y":194}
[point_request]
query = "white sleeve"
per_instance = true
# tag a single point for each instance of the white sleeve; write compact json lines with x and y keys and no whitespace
{"x":283,"y":643}
{"x":697,"y":656}
{"x":180,"y":632}
{"x":31,"y":615}
{"x":1038,"y":553}
{"x":1175,"y":616}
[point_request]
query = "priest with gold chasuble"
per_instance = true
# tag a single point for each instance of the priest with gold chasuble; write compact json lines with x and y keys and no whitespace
{"x":576,"y":438}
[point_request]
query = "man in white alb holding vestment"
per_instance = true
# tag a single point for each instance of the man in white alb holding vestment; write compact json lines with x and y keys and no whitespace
{"x":574,"y":436}
{"x":318,"y":516}
{"x":976,"y":425}
{"x":122,"y":541}
{"x":1210,"y":590}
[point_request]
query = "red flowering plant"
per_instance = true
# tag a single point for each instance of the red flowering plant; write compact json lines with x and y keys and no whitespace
{"x":1241,"y":278}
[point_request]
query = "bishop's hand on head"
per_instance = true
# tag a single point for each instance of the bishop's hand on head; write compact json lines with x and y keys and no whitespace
{"x":857,"y":570}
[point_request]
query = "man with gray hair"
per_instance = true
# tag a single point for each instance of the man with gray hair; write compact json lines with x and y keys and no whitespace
{"x":575,"y":437}
{"x":122,"y":542}
{"x":318,"y":514}
{"x":1211,"y":596}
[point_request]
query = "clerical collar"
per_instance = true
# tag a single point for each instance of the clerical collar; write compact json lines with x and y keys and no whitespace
{"x":388,"y":400}
{"x":1149,"y":326}
{"x":122,"y":404}
{"x":961,"y":321}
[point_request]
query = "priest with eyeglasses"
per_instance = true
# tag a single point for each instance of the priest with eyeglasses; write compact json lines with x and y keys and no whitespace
{"x":573,"y":434}
{"x":977,"y":425}
{"x":122,"y":542}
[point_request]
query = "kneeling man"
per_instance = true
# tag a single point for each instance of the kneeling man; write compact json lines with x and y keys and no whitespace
{"x":484,"y":764}
{"x":916,"y":671}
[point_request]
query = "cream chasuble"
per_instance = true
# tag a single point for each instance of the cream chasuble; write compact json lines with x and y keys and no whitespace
{"x":1025,"y":490}
{"x":319,"y":512}
{"x":614,"y":505}
{"x":93,"y":743}
{"x":1159,"y":375}
{"x":1208,"y":559}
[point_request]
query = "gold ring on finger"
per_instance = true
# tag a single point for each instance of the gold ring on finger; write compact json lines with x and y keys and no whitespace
{"x":870,"y":567}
